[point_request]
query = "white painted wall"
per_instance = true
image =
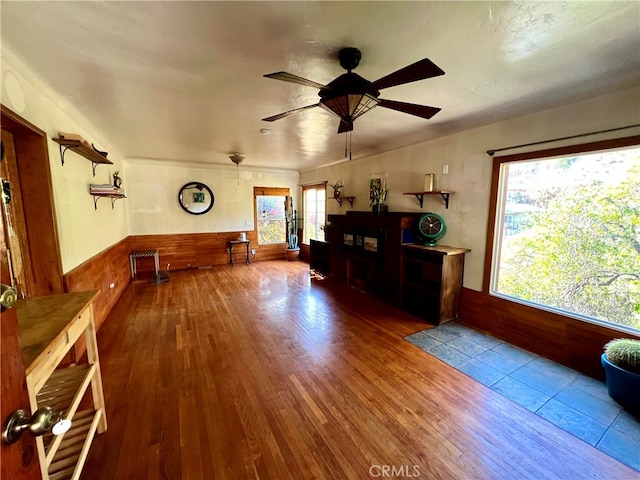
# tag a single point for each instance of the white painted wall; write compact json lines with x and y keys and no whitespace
{"x":153,"y":188}
{"x":82,"y":231}
{"x":470,"y":167}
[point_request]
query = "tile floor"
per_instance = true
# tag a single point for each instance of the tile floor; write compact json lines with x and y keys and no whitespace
{"x":574,"y":402}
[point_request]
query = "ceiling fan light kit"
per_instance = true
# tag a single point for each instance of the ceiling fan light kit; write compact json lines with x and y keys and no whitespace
{"x":349,"y":106}
{"x":237,"y":159}
{"x":349,"y":96}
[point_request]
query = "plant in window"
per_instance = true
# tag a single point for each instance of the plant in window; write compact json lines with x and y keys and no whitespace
{"x":293,"y":248}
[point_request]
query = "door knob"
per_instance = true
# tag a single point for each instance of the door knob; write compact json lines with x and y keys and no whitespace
{"x":8,"y":296}
{"x":43,"y":420}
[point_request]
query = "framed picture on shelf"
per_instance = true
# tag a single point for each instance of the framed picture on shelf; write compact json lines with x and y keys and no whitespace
{"x":371,"y":244}
{"x":347,"y":239}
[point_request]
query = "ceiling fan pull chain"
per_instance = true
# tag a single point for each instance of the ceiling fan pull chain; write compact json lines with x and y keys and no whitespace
{"x":350,"y":137}
{"x":345,"y":144}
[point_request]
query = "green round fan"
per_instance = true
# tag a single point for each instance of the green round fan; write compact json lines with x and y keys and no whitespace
{"x":430,"y":229}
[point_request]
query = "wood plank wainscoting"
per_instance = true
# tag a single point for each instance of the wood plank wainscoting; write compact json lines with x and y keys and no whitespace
{"x":573,"y":343}
{"x":109,"y":266}
{"x":193,"y":250}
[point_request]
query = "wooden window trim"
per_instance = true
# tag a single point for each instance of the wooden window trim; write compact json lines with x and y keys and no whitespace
{"x":267,"y":191}
{"x":312,"y":186}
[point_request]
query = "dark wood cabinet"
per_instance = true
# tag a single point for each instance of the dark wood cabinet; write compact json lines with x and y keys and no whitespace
{"x":432,"y":281}
{"x":319,"y":259}
{"x":377,"y":254}
{"x":365,"y":251}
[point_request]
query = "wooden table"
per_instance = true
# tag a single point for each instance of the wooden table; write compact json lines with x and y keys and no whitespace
{"x":238,"y":242}
{"x":49,"y":327}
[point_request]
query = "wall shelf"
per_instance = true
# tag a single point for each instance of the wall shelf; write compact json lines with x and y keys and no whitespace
{"x":348,"y":199}
{"x":420,"y":196}
{"x":78,"y":147}
{"x":112,"y":196}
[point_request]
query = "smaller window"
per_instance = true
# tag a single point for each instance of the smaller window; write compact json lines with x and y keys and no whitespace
{"x":314,"y":212}
{"x":270,"y":214}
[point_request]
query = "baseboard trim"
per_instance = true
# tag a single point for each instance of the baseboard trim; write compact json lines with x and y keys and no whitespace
{"x":571,"y":342}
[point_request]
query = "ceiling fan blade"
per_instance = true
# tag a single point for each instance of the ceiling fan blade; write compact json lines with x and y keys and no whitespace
{"x":410,"y":108}
{"x":345,"y":126}
{"x":420,"y":70}
{"x":290,"y":77}
{"x":290,"y":112}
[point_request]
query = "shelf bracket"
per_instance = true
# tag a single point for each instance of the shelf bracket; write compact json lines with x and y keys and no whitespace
{"x":445,"y":197}
{"x":98,"y":197}
{"x":62,"y":152}
{"x":348,"y":199}
{"x":420,"y":198}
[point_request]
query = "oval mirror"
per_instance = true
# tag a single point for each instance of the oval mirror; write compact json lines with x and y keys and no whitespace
{"x":196,"y":198}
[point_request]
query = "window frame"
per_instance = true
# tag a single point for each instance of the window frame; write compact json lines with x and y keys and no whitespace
{"x":493,"y":228}
{"x":312,"y":186}
{"x":267,"y":192}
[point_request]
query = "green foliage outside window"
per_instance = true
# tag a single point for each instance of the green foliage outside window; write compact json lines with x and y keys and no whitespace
{"x":578,"y":247}
{"x":272,"y":225}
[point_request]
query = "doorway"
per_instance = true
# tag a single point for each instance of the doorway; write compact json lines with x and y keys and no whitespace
{"x":26,"y":179}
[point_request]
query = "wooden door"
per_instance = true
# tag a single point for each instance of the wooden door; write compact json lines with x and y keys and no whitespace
{"x":15,"y":224}
{"x":18,"y":461}
{"x":32,"y":213}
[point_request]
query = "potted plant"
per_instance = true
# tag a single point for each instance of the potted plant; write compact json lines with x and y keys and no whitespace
{"x":336,"y":189}
{"x":621,"y":362}
{"x":378,"y":195}
{"x":293,"y":248}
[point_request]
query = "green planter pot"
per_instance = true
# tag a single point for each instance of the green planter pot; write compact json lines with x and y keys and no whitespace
{"x":623,"y":386}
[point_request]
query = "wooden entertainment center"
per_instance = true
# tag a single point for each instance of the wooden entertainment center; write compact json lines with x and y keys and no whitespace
{"x":378,"y":254}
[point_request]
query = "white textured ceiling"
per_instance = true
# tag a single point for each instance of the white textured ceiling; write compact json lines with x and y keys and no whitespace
{"x":183,"y":80}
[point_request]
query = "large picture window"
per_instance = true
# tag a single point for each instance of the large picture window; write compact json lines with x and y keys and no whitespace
{"x":270,"y":214}
{"x":567,"y":234}
{"x":314,"y":212}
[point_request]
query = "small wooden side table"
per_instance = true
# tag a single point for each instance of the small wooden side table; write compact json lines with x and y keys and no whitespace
{"x":144,"y":254}
{"x":232,"y":243}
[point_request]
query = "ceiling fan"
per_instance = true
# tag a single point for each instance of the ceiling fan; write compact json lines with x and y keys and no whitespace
{"x":350,"y":96}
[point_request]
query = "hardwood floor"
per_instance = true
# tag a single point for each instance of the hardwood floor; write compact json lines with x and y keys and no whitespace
{"x":256,"y":371}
